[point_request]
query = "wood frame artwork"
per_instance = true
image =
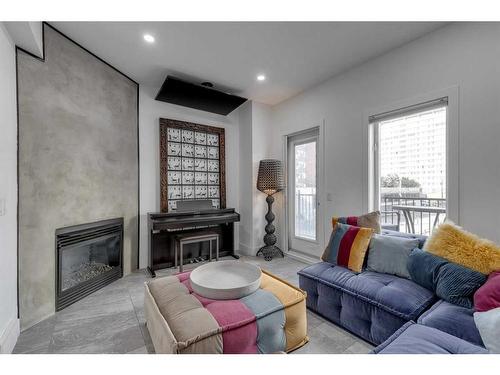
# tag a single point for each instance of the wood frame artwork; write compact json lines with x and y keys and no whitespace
{"x":192,"y":163}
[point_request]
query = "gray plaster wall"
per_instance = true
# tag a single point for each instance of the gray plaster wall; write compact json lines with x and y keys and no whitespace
{"x":77,"y":160}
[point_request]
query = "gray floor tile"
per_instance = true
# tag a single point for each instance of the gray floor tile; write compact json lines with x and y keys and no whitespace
{"x":359,"y":347}
{"x":36,"y":339}
{"x":102,"y":304}
{"x":147,"y":338}
{"x":313,"y":320}
{"x":321,"y":344}
{"x":116,"y":333}
{"x":141,"y":350}
{"x":341,"y":337}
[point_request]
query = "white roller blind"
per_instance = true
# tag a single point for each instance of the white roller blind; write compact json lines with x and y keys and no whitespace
{"x":405,"y":111}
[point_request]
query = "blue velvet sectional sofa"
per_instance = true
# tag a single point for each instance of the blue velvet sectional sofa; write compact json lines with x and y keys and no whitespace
{"x":392,"y":312}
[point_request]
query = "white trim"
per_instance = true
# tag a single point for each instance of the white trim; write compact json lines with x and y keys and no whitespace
{"x":284,"y":208}
{"x":302,"y":257}
{"x":9,"y":337}
{"x":452,"y":148}
{"x":321,"y":181}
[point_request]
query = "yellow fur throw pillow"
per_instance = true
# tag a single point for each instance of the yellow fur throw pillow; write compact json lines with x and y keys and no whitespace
{"x":453,"y":243}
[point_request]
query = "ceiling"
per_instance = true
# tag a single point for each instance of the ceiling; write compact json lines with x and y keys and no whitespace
{"x":293,"y":56}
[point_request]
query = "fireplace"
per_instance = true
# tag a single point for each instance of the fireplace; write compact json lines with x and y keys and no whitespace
{"x":88,"y":257}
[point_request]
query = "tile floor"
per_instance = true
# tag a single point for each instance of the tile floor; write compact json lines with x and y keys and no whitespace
{"x":111,"y":320}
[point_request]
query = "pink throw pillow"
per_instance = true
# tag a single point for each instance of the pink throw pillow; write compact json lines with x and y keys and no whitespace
{"x":488,"y":296}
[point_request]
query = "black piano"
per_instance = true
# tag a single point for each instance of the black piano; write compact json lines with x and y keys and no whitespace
{"x":190,"y":216}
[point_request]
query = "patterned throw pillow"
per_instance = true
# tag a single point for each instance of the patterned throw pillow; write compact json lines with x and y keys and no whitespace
{"x":451,"y":282}
{"x":457,"y":284}
{"x":370,"y":220}
{"x":348,"y":246}
{"x":456,"y":245}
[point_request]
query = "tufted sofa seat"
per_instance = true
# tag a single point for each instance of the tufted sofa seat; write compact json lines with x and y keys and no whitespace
{"x":419,"y":339}
{"x":371,"y":305}
{"x":455,"y":320}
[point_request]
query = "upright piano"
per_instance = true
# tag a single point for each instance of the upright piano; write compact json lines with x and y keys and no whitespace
{"x":190,"y":216}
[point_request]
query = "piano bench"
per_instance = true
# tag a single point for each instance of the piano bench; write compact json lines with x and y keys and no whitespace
{"x":187,"y":238}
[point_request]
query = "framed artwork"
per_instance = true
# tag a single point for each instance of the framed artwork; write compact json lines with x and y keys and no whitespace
{"x":192,"y":163}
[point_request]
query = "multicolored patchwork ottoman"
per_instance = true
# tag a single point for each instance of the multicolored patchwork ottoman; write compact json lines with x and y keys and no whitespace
{"x":273,"y":319}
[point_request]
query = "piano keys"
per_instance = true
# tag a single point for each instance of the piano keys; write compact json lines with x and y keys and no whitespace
{"x":190,"y":216}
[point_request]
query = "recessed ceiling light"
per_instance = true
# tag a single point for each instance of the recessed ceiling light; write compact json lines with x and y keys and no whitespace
{"x":261,"y":77}
{"x":149,"y":38}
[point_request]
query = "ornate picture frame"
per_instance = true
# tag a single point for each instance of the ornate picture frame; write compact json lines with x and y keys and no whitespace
{"x":192,"y":163}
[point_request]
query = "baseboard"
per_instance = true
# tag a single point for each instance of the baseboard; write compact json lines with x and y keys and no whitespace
{"x":302,"y":257}
{"x":9,"y":337}
{"x":245,"y":250}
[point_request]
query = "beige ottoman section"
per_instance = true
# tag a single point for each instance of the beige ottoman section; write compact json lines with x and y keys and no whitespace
{"x":174,"y":303}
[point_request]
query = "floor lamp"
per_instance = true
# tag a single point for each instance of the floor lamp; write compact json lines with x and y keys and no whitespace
{"x":270,"y":180}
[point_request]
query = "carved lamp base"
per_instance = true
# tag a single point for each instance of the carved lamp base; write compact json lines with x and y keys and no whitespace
{"x":270,"y":250}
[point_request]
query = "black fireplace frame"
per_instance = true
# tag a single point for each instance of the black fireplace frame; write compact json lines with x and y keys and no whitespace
{"x":105,"y":227}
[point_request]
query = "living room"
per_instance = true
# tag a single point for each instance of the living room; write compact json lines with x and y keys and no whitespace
{"x":257,"y":187}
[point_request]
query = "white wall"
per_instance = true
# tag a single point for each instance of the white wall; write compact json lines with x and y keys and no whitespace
{"x":27,"y":34}
{"x":254,"y":123}
{"x":9,"y":324}
{"x":463,"y":54}
{"x":246,"y":240}
{"x":261,"y":149}
{"x":150,"y":111}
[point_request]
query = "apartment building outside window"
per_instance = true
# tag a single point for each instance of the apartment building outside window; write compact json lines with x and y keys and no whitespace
{"x":410,"y":171}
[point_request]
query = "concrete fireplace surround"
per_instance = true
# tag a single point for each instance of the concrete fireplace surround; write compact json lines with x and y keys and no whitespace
{"x":78,"y":160}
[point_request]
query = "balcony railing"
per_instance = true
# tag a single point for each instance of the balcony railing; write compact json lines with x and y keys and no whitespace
{"x":404,"y":214}
{"x":305,"y":216}
{"x":412,"y":214}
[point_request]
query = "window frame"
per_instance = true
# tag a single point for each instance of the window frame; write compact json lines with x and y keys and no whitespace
{"x":372,"y":157}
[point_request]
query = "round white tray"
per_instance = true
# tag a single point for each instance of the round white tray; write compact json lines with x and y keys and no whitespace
{"x":227,"y":279}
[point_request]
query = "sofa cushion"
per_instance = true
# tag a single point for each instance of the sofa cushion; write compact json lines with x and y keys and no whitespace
{"x":457,"y":284}
{"x":424,"y":268}
{"x":348,"y":246}
{"x":421,"y":238}
{"x":488,"y":296}
{"x":453,"y":243}
{"x":451,"y":282}
{"x":418,"y":339}
{"x":369,"y":220}
{"x":455,"y":320}
{"x":400,"y":297}
{"x":389,"y":254}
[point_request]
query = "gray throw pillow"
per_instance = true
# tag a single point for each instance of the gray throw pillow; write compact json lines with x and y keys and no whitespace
{"x":389,"y":254}
{"x":488,"y":325}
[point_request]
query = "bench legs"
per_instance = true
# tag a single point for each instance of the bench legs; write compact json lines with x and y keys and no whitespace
{"x":216,"y":249}
{"x":179,"y":252}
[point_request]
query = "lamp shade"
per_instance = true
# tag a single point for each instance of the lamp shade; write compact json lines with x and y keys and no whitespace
{"x":270,"y":179}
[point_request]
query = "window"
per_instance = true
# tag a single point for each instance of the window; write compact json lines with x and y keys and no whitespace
{"x":305,"y":190}
{"x":409,"y":171}
{"x":304,"y":181}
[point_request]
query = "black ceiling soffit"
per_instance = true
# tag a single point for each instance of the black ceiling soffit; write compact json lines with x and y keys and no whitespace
{"x":187,"y":94}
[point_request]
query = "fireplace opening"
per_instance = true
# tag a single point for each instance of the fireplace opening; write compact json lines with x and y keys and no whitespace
{"x":89,"y":256}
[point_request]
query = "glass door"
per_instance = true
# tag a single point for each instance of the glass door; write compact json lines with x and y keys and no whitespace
{"x":303,"y":192}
